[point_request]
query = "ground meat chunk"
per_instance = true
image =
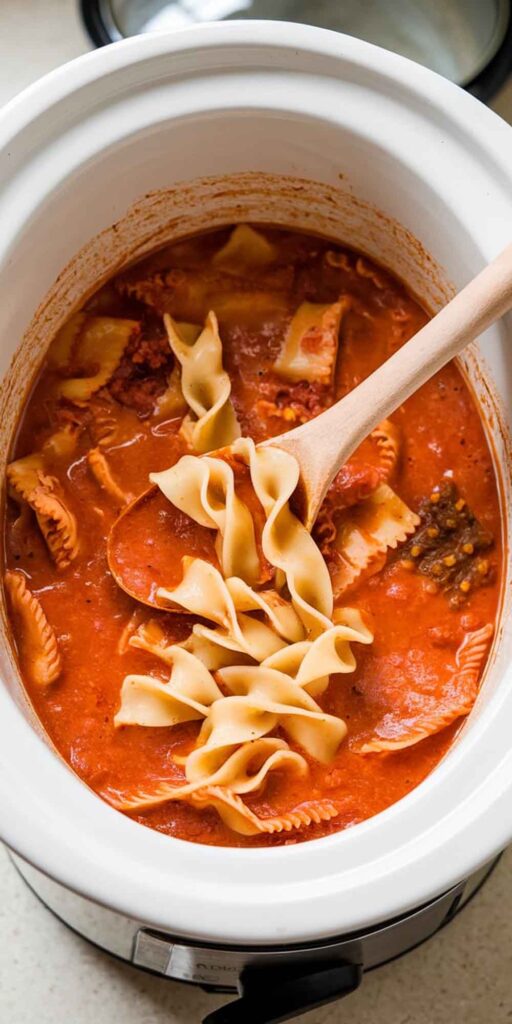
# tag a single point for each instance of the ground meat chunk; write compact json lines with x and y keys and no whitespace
{"x":143,"y":372}
{"x":449,"y":545}
{"x":292,"y":403}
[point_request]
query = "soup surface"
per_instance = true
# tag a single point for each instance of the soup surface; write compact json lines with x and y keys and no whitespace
{"x":335,"y":675}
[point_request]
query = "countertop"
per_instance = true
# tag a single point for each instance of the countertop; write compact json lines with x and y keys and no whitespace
{"x":50,"y":976}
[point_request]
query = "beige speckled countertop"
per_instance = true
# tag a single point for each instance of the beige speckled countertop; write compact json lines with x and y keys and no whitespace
{"x":50,"y":976}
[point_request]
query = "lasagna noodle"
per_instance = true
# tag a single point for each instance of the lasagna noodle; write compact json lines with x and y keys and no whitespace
{"x":62,"y":443}
{"x":103,"y":424}
{"x":63,"y":344}
{"x":246,"y":248}
{"x":99,"y":346}
{"x":231,"y":809}
{"x":28,"y":483}
{"x":311,"y":344}
{"x":56,"y":521}
{"x":38,"y":647}
{"x":243,"y":771}
{"x":396,"y":731}
{"x":211,"y":422}
{"x":24,"y":475}
{"x":364,"y":533}
{"x":311,"y":662}
{"x":187,"y":695}
{"x":237,"y":816}
{"x":387,"y":439}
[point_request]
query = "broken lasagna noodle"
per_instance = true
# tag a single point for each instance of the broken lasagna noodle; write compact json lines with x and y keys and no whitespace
{"x":287,"y":684}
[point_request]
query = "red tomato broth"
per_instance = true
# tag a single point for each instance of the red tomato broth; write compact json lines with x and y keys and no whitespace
{"x":416,"y":632}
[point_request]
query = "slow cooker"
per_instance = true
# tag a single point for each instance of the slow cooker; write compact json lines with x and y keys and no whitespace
{"x":103,"y":160}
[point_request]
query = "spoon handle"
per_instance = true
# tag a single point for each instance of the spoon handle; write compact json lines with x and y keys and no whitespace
{"x":325,"y":443}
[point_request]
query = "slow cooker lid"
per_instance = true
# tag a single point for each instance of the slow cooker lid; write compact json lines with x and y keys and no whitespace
{"x":458,"y":38}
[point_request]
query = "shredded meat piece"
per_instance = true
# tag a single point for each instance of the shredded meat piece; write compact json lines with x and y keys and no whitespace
{"x":142,"y":374}
{"x":151,"y":352}
{"x":100,"y":469}
{"x":139,"y":395}
{"x":448,"y":545}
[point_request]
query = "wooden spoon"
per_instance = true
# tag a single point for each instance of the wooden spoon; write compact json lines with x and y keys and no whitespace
{"x":324,"y":444}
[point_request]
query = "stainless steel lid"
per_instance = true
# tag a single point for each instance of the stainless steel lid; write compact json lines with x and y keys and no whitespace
{"x":457,"y":38}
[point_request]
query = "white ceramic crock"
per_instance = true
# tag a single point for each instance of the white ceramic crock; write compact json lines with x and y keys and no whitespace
{"x":388,"y":153}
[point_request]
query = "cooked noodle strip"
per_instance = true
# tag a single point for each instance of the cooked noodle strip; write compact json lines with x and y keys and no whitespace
{"x":39,"y":650}
{"x":28,"y":483}
{"x":205,"y":593}
{"x":186,"y":696}
{"x":286,"y":543}
{"x":311,"y":662}
{"x":241,"y":819}
{"x":23,"y":475}
{"x":264,"y":698}
{"x":63,"y":344}
{"x":230,"y":807}
{"x":62,"y":443}
{"x":272,"y":655}
{"x":211,"y":422}
{"x":395,"y":733}
{"x":243,"y":771}
{"x":103,"y":425}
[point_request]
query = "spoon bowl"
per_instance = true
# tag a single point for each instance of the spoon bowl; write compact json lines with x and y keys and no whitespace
{"x":146,"y":543}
